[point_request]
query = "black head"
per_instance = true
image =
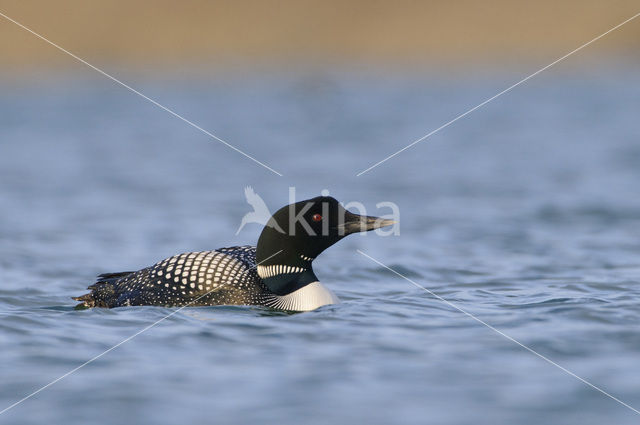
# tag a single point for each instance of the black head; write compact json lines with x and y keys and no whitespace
{"x":296,"y":234}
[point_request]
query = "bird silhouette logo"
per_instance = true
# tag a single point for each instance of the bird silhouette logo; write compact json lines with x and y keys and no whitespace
{"x":260,"y":213}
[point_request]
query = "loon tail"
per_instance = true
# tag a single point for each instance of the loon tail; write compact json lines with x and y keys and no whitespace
{"x":102,"y":292}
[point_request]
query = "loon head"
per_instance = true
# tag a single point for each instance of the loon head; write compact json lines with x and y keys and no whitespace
{"x":297,"y":233}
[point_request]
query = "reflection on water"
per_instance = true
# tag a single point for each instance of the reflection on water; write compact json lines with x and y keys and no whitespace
{"x":526,"y":214}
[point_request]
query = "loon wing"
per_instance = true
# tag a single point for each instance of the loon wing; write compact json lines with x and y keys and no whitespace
{"x":109,"y":276}
{"x":223,"y":277}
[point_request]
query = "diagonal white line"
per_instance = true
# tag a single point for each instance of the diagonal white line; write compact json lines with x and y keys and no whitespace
{"x":531,"y":350}
{"x":116,"y":346}
{"x":114,"y":79}
{"x":496,"y":96}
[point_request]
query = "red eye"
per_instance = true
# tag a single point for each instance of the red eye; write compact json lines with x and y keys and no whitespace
{"x":316,"y":217}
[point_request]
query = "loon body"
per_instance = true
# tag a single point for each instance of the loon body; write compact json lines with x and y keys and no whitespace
{"x":277,"y":273}
{"x":227,"y":276}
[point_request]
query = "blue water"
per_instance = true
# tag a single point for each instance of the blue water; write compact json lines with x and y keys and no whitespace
{"x":525,"y":213}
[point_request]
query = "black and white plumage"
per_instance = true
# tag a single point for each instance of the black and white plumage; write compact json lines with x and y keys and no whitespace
{"x":277,"y":273}
{"x":225,"y":276}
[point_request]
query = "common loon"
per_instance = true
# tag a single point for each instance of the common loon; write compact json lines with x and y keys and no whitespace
{"x":277,"y":273}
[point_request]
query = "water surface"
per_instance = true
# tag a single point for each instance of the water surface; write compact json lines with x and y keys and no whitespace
{"x":526,"y":214}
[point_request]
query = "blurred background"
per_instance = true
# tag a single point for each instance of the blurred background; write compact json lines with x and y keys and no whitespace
{"x":525,"y":213}
{"x":165,"y":36}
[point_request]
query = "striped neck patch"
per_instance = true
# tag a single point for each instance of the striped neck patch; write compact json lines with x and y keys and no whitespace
{"x":277,"y":269}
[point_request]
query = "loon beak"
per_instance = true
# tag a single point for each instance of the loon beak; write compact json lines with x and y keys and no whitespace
{"x":354,"y":223}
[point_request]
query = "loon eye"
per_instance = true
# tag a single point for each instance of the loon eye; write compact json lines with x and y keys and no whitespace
{"x":316,"y":217}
